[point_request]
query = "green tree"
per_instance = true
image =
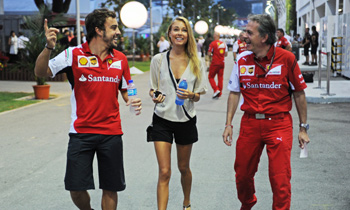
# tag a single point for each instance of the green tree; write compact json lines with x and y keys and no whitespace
{"x":193,"y":10}
{"x":204,"y":10}
{"x":58,"y":6}
{"x":291,"y":19}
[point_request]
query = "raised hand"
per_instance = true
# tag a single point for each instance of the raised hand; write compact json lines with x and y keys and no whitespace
{"x":51,"y":35}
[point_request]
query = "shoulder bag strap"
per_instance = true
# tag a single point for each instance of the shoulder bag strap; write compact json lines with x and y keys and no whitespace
{"x":160,"y":63}
{"x":172,"y":79}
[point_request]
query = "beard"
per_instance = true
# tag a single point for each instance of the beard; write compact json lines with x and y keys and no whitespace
{"x":111,"y":42}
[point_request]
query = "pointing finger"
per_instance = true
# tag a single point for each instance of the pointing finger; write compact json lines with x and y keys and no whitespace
{"x":45,"y":25}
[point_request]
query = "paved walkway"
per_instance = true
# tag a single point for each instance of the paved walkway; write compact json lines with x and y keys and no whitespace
{"x":33,"y":144}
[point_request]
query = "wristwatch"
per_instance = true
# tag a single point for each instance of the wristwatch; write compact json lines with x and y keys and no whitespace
{"x":304,"y":125}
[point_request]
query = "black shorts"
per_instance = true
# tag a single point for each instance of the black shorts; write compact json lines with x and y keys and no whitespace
{"x":314,"y":49}
{"x":183,"y":132}
{"x":306,"y":51}
{"x":80,"y":155}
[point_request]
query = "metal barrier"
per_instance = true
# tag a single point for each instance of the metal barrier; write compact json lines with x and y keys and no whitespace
{"x":328,"y":75}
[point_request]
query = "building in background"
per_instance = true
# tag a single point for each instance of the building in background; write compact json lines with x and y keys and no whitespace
{"x":332,"y":19}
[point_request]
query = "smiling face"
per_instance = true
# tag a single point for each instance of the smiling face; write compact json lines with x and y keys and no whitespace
{"x":111,"y":32}
{"x":178,"y":33}
{"x":252,"y":37}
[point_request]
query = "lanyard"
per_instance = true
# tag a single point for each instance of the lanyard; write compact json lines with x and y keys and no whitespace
{"x":263,"y":68}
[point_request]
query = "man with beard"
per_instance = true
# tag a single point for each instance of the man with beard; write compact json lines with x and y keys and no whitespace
{"x":96,"y":72}
{"x":267,"y":76}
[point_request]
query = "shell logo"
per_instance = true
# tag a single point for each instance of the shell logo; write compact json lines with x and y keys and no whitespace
{"x":83,"y":61}
{"x":221,"y":51}
{"x":93,"y":60}
{"x":243,"y":70}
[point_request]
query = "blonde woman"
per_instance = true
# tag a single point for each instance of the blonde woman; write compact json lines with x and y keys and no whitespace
{"x":171,"y":121}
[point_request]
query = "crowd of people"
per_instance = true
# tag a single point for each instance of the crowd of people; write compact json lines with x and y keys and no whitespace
{"x":265,"y":73}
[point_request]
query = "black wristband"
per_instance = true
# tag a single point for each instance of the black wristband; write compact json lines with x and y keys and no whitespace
{"x":49,"y":48}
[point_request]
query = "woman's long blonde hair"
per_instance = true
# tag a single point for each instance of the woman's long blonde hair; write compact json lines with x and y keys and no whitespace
{"x":190,"y":47}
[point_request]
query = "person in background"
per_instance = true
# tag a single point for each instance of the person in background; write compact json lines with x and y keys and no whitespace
{"x":121,"y":46}
{"x":22,"y":40}
{"x":200,"y":42}
{"x":64,"y":40}
{"x":171,"y":121}
{"x":282,"y":41}
{"x":71,"y":35}
{"x":306,"y":45}
{"x":314,"y":46}
{"x":13,"y":43}
{"x":205,"y":48}
{"x":97,"y":74}
{"x":239,"y":46}
{"x":298,"y":39}
{"x":163,"y":44}
{"x":267,"y":77}
{"x":74,"y":41}
{"x":83,"y":37}
{"x":217,"y":50}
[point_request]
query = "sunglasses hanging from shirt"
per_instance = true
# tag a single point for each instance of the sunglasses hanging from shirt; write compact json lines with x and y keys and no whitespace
{"x":263,"y":68}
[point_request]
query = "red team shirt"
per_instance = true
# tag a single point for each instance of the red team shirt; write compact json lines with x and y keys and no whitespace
{"x":242,"y":46}
{"x":95,"y":84}
{"x":218,"y":49}
{"x":282,"y":42}
{"x":270,"y":93}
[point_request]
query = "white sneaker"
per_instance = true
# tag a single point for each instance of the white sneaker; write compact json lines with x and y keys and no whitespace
{"x":216,"y":94}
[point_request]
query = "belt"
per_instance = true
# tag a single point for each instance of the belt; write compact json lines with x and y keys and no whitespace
{"x":261,"y":116}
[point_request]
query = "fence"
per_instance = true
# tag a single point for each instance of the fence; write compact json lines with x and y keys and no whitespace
{"x":21,"y":75}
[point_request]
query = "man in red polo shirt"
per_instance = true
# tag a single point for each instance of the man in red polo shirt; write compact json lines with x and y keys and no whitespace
{"x":218,"y":51}
{"x":97,"y":74}
{"x":267,"y":76}
{"x":282,"y":41}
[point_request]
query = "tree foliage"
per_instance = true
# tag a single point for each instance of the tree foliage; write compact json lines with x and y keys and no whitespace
{"x":37,"y":41}
{"x":205,"y":10}
{"x":58,"y":6}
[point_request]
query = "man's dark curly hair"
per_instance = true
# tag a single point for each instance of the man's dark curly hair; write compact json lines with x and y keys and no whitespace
{"x":97,"y":18}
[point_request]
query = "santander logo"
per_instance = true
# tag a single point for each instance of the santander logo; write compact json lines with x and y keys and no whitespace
{"x":92,"y":78}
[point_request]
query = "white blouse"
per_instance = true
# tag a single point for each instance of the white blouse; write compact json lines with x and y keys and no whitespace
{"x":13,"y":46}
{"x":168,"y":109}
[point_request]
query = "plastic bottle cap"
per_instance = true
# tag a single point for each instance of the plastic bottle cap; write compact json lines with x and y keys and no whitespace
{"x":131,"y":81}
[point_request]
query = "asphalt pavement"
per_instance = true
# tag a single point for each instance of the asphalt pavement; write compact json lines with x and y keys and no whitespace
{"x":33,"y":145}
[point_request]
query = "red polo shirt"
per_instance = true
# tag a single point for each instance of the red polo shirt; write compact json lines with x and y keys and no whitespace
{"x":95,"y":84}
{"x":218,"y":48}
{"x":242,"y":46}
{"x":267,"y":92}
{"x":282,"y":42}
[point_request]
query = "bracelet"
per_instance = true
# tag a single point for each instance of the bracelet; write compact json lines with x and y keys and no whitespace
{"x":228,"y":125}
{"x":49,"y":48}
{"x":194,"y":95}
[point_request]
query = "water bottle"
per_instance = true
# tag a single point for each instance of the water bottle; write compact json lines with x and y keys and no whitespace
{"x":183,"y":85}
{"x":132,"y":92}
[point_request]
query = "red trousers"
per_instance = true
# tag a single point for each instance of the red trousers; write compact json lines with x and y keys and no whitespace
{"x":277,"y":134}
{"x":216,"y":70}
